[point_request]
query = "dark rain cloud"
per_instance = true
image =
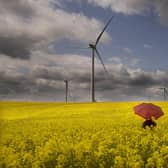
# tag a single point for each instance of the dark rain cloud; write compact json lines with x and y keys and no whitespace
{"x":27,"y":26}
{"x":143,"y":80}
{"x":16,"y":47}
{"x":48,"y":73}
{"x":120,"y":83}
{"x":12,"y":83}
{"x":16,"y":41}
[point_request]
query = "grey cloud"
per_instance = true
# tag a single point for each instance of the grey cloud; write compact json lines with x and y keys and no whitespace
{"x":15,"y":47}
{"x":47,"y":82}
{"x":14,"y":84}
{"x":48,"y":86}
{"x":19,"y":7}
{"x":142,"y":79}
{"x":132,"y":85}
{"x":49,"y":73}
{"x":118,"y":76}
{"x":78,"y":79}
{"x":162,"y":10}
{"x":28,"y":26}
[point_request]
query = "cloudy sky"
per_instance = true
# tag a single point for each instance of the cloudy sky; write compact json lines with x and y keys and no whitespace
{"x":44,"y":42}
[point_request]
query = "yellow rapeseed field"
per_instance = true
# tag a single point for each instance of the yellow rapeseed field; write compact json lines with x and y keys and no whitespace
{"x":80,"y":135}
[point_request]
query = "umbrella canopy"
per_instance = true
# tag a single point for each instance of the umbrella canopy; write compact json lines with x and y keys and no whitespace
{"x":148,"y":110}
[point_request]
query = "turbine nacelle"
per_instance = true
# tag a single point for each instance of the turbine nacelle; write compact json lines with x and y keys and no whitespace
{"x":92,"y":46}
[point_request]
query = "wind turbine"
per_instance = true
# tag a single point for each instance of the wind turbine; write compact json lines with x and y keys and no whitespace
{"x":165,"y":92}
{"x":94,"y":50}
{"x":66,"y":90}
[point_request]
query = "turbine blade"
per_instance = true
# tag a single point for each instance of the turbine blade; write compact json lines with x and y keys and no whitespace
{"x":98,"y":54}
{"x":98,"y":38}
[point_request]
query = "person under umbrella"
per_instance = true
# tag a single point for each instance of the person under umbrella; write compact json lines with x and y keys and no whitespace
{"x":147,"y":111}
{"x":150,"y":123}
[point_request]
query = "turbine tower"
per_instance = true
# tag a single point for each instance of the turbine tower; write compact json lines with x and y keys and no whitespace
{"x":165,"y":92}
{"x":94,"y":50}
{"x":66,"y":90}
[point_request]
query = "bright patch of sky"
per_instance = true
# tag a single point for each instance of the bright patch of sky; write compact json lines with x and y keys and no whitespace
{"x":142,"y":34}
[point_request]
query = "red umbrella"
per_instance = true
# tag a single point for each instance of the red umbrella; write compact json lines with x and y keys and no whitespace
{"x":148,"y":110}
